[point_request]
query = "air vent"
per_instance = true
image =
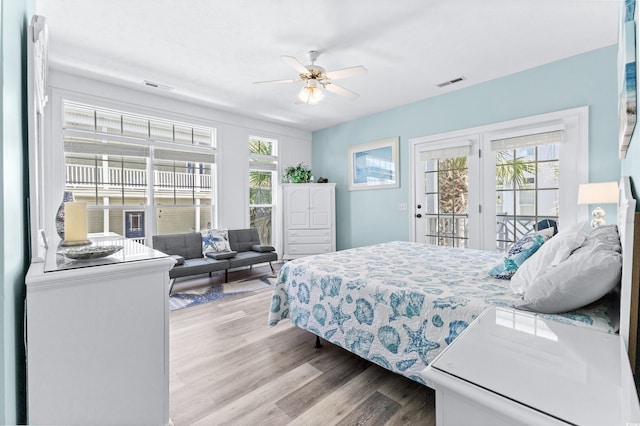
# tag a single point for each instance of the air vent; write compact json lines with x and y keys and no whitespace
{"x":455,"y":80}
{"x":158,"y":85}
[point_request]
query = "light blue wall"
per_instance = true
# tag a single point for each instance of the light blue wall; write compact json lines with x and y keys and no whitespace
{"x":368,"y":217}
{"x":13,"y":210}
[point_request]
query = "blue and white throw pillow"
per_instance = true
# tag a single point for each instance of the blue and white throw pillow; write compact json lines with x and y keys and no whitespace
{"x":518,"y":253}
{"x":215,"y":241}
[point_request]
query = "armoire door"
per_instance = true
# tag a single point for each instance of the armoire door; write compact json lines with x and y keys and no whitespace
{"x":320,"y":207}
{"x":297,"y":202}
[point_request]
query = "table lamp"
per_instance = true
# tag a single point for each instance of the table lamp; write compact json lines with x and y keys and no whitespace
{"x":598,"y":193}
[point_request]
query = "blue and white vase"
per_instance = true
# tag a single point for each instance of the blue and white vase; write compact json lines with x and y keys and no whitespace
{"x":68,"y":196}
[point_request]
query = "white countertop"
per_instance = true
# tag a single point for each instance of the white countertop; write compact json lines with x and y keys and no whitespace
{"x":572,"y":373}
{"x":131,"y":252}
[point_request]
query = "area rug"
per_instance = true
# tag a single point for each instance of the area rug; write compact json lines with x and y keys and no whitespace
{"x":218,"y":291}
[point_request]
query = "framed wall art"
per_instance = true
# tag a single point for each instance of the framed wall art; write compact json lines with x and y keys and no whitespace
{"x":627,"y":75}
{"x":374,"y":165}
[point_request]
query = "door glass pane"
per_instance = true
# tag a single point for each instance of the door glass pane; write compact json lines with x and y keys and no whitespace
{"x":447,"y":207}
{"x":526,"y":191}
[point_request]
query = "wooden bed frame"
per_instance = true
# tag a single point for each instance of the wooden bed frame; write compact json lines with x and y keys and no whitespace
{"x":629,"y":230}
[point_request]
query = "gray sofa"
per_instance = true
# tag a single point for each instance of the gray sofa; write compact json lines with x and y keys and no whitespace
{"x":186,"y":249}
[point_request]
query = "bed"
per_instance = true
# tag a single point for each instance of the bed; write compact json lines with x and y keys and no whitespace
{"x":399,"y":304}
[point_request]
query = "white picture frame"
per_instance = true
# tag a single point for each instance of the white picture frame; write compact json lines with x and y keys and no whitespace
{"x":374,"y":165}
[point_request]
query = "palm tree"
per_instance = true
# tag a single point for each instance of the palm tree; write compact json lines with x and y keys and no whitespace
{"x":453,"y":183}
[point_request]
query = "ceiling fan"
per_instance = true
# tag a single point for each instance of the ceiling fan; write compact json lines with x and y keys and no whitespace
{"x":315,"y":79}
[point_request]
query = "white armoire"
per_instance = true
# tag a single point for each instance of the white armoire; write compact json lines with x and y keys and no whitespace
{"x":309,"y":219}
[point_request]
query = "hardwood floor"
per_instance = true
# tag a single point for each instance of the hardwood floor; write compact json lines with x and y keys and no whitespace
{"x":229,"y":368}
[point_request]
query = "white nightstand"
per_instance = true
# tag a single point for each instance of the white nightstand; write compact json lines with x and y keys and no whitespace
{"x":510,"y":367}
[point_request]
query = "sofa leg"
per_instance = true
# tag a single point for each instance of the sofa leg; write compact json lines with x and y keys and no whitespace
{"x":271,"y":266}
{"x":226,"y":275}
{"x":209,"y":274}
{"x":172,"y":281}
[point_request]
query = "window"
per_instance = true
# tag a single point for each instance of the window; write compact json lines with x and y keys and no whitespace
{"x":263,"y":163}
{"x":527,"y":184}
{"x":139,"y":175}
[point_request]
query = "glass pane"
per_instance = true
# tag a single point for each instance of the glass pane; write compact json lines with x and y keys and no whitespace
{"x":548,"y":202}
{"x":431,"y":165}
{"x":183,"y":134}
{"x":524,"y":175}
{"x":161,"y":130}
{"x":504,"y":176}
{"x":260,"y":187}
{"x":261,"y":219}
{"x":133,"y":126}
{"x":432,"y":204}
{"x":78,"y":117}
{"x":180,"y":182}
{"x":548,"y":152}
{"x":431,"y":225}
{"x":203,"y":137}
{"x":548,"y":175}
{"x":526,"y":203}
{"x":526,"y":155}
{"x":108,"y":180}
{"x":174,"y":220}
{"x":108,"y":122}
{"x":430,"y":181}
{"x":262,"y":147}
{"x":460,"y":228}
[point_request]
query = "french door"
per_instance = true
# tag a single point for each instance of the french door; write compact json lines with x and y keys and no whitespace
{"x":446,"y":189}
{"x":486,"y":187}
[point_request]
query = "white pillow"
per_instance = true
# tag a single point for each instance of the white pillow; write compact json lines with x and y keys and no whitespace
{"x":552,"y":253}
{"x":587,"y":275}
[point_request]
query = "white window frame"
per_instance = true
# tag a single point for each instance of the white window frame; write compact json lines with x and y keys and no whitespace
{"x":574,"y":166}
{"x":54,"y":181}
{"x":265,"y":167}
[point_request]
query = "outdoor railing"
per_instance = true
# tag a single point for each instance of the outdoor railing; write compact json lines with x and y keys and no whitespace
{"x":91,"y":176}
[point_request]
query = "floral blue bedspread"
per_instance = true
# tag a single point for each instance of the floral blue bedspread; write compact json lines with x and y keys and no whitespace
{"x":398,"y":304}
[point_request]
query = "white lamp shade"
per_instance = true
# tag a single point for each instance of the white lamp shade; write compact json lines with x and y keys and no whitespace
{"x":598,"y":193}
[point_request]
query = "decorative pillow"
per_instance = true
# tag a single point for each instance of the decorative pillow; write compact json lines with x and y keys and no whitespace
{"x":260,"y":248}
{"x":518,"y":253}
{"x":552,"y":253}
{"x":215,"y":241}
{"x":222,"y":255}
{"x":587,"y":275}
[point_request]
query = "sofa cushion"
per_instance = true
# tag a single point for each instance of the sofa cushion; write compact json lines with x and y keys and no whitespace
{"x":260,"y":248}
{"x":215,"y":241}
{"x":247,"y":258}
{"x":203,"y":265}
{"x":242,"y":239}
{"x":187,"y":245}
{"x":222,"y":255}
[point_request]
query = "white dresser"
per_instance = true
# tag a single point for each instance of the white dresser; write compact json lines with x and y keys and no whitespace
{"x":510,"y":367}
{"x":97,"y":338}
{"x":309,"y":219}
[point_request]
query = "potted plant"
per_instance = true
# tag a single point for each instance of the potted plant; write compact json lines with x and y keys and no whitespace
{"x":297,"y":174}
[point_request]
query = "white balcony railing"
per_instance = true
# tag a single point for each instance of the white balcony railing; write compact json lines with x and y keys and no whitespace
{"x":90,"y":176}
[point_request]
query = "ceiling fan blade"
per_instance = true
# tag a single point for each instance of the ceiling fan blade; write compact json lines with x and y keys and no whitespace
{"x":295,"y":64}
{"x":289,"y":80}
{"x":346,"y":72}
{"x":339,"y":90}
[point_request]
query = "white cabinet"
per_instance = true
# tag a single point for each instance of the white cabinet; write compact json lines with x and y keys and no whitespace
{"x":511,"y":367}
{"x":309,"y":219}
{"x":97,"y":338}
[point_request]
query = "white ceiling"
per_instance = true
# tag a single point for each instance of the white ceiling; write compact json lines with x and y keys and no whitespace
{"x":212,"y":51}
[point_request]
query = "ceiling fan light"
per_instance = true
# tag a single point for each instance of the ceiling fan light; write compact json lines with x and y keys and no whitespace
{"x":311,"y":94}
